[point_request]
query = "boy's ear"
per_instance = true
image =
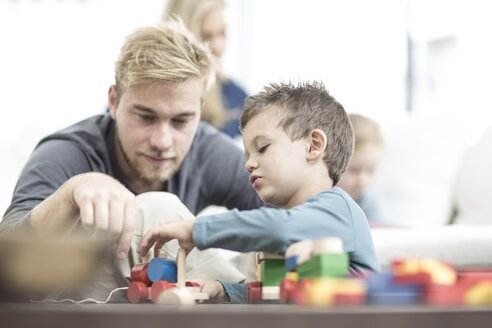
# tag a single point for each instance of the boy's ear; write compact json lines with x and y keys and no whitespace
{"x":112,"y":101}
{"x":317,"y":144}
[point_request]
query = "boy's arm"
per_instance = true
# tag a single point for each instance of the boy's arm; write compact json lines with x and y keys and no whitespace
{"x":241,"y":231}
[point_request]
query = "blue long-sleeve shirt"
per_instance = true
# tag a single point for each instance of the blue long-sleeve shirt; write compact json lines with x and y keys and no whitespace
{"x":331,"y":213}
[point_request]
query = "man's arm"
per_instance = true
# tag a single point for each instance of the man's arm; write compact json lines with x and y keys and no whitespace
{"x":102,"y":204}
{"x":55,"y":190}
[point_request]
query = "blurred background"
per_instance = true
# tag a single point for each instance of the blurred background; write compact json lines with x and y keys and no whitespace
{"x":421,"y":68}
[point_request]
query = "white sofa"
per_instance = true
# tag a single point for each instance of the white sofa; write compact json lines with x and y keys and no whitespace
{"x":426,"y":174}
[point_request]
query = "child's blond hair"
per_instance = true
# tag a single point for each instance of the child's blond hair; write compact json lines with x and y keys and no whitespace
{"x":366,"y":131}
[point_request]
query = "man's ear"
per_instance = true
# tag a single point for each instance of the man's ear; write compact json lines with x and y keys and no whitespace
{"x":112,"y":101}
{"x":317,"y":144}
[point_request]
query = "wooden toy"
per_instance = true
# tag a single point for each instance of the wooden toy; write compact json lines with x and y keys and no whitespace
{"x":443,"y":295}
{"x":174,"y":290}
{"x":383,"y":290}
{"x":162,"y":269}
{"x":440,"y":273}
{"x":139,"y":292}
{"x":307,"y":259}
{"x":272,"y":271}
{"x":253,"y":292}
{"x":479,"y":294}
{"x":182,"y":294}
{"x":298,"y":253}
{"x":325,"y":265}
{"x":139,"y":274}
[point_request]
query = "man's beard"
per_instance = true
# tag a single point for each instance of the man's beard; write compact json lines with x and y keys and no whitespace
{"x":134,"y":165}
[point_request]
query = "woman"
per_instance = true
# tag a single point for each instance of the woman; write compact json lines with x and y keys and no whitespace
{"x":205,"y":18}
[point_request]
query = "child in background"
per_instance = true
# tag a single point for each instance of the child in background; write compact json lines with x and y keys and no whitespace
{"x":357,"y":179}
{"x":298,"y":141}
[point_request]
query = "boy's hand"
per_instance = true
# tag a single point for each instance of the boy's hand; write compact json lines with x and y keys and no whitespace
{"x":214,"y":290}
{"x":181,"y":230}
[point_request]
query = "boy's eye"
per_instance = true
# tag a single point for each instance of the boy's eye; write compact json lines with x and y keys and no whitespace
{"x":261,"y":150}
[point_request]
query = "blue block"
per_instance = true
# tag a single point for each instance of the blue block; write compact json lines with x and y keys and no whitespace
{"x":382,"y":290}
{"x":291,"y":263}
{"x":161,"y":269}
{"x":393,"y":299}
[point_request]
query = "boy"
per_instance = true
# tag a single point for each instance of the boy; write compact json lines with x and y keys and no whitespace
{"x":368,"y":151}
{"x":298,"y":141}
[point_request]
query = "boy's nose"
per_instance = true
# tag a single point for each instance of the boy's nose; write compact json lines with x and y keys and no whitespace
{"x":251,"y":165}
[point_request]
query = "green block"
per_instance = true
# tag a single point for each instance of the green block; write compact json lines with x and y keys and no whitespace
{"x":272,"y":271}
{"x":325,"y":265}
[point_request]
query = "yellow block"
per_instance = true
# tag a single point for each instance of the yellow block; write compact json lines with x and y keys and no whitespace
{"x":479,"y":294}
{"x":323,"y":290}
{"x":294,"y":276}
{"x":441,"y":273}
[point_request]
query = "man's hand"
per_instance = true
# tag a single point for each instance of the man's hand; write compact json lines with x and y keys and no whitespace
{"x":102,"y":204}
{"x":181,"y":230}
{"x":214,"y":290}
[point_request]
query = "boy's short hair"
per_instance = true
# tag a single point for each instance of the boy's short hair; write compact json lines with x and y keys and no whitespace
{"x":305,"y":107}
{"x":366,"y":131}
{"x":167,"y":52}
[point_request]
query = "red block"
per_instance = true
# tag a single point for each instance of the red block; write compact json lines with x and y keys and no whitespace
{"x":253,"y":292}
{"x":287,"y":288}
{"x":158,"y":287}
{"x":192,"y":284}
{"x":300,"y":294}
{"x":349,"y":299}
{"x":422,"y":279}
{"x":444,"y":295}
{"x":139,"y":274}
{"x":137,"y":292}
{"x":467,"y":278}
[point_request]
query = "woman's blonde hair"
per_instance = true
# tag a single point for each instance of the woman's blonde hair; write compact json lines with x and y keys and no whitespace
{"x":192,"y":12}
{"x":167,"y":52}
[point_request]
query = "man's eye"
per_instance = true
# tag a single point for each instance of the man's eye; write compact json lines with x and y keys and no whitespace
{"x":145,"y":117}
{"x":261,"y":150}
{"x":179,"y":121}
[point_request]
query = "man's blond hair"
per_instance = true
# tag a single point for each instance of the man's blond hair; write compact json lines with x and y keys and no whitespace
{"x":167,"y":52}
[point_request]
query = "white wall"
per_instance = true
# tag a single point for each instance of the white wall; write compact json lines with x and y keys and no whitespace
{"x":57,"y":57}
{"x":56,"y":64}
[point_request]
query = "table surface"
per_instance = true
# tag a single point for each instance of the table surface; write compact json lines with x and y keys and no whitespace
{"x":238,"y":316}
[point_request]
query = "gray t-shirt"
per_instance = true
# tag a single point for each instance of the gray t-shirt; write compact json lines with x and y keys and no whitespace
{"x":212,"y":173}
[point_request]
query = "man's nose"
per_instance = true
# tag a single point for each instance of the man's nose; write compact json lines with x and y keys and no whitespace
{"x":162,"y":137}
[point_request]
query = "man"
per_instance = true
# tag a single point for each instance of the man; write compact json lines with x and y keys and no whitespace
{"x":88,"y":174}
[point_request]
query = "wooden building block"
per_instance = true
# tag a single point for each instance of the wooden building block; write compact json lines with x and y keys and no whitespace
{"x":272,"y":271}
{"x":325,"y":265}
